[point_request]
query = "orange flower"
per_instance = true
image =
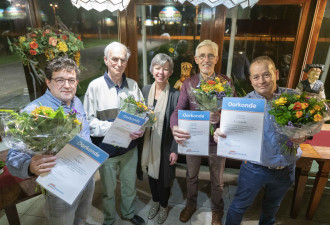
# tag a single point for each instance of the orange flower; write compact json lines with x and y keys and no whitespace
{"x":33,"y":35}
{"x":317,"y":108}
{"x":33,"y":52}
{"x":33,"y":45}
{"x":317,"y":117}
{"x":79,"y":38}
{"x":64,"y":37}
{"x":304,"y":105}
{"x":297,"y":106}
{"x":211,"y":82}
{"x":299,"y":114}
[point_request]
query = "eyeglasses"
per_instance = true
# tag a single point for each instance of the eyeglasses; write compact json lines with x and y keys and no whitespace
{"x":115,"y":60}
{"x":209,"y":56}
{"x":61,"y":81}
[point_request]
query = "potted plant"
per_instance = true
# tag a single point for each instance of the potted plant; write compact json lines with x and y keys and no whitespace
{"x":2,"y":165}
{"x":41,"y":45}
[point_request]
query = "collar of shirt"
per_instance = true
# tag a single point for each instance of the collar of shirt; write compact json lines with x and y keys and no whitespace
{"x":111,"y":84}
{"x":212,"y":77}
{"x":56,"y":101}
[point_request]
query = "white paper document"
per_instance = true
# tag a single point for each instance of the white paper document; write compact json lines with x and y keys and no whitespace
{"x":242,"y":121}
{"x":76,"y":163}
{"x":124,"y":124}
{"x":197,"y":123}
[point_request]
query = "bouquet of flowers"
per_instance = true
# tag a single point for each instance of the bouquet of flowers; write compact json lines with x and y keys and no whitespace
{"x":298,"y":115}
{"x":43,"y":131}
{"x":208,"y":95}
{"x":138,"y":108}
{"x":40,"y":45}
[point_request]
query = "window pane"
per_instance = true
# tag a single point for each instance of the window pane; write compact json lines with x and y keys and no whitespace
{"x":97,"y":29}
{"x":261,"y":30}
{"x":170,"y":30}
{"x":13,"y":21}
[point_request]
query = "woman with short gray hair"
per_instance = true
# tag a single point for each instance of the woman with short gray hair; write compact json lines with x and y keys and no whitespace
{"x":159,"y":148}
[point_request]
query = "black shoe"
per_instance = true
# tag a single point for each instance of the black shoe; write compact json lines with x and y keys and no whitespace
{"x":137,"y":220}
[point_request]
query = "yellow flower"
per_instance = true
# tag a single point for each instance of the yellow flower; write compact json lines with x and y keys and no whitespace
{"x":281,"y":101}
{"x":76,"y":58}
{"x":205,"y":89}
{"x":76,"y":121}
{"x":46,"y":111}
{"x":317,"y":117}
{"x":299,"y":114}
{"x":61,"y":46}
{"x":171,"y":50}
{"x":219,"y":88}
{"x":217,"y":79}
{"x":317,"y":108}
{"x":304,"y":105}
{"x":22,"y":39}
{"x":297,"y":96}
{"x":312,"y":111}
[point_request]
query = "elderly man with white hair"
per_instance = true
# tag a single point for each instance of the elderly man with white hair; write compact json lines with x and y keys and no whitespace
{"x":102,"y":102}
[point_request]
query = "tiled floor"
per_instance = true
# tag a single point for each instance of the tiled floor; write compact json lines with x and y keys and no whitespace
{"x":31,"y":211}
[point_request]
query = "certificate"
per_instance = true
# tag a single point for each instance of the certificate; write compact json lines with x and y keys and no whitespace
{"x":242,"y":121}
{"x":197,"y":123}
{"x":124,"y":124}
{"x":76,"y":163}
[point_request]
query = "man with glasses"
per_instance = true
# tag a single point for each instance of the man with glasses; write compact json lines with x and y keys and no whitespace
{"x":102,"y":104}
{"x":61,"y":79}
{"x":206,"y":57}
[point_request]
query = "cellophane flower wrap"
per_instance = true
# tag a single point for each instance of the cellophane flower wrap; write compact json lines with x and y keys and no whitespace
{"x":43,"y":131}
{"x":208,"y":95}
{"x":138,"y":108}
{"x":298,"y":115}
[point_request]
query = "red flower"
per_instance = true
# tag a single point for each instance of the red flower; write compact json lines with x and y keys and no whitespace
{"x":33,"y":45}
{"x":79,"y":37}
{"x":33,"y":52}
{"x":297,"y":106}
{"x":64,"y":37}
{"x":211,"y":82}
{"x":33,"y":35}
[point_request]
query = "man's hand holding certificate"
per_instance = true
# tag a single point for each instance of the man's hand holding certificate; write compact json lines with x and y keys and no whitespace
{"x":133,"y":115}
{"x":242,"y":122}
{"x":76,"y":163}
{"x":197,"y":123}
{"x":121,"y":128}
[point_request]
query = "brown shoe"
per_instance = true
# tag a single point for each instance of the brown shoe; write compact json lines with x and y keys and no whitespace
{"x":216,"y":218}
{"x":186,"y":213}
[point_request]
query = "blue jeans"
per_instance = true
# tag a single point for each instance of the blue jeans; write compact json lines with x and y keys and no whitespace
{"x":251,"y":179}
{"x":58,"y":212}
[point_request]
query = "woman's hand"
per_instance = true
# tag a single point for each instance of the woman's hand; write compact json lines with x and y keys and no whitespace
{"x":173,"y":158}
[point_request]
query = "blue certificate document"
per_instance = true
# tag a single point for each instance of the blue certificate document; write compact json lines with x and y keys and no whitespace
{"x":121,"y":128}
{"x":197,"y":123}
{"x":75,"y":165}
{"x":242,"y":121}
